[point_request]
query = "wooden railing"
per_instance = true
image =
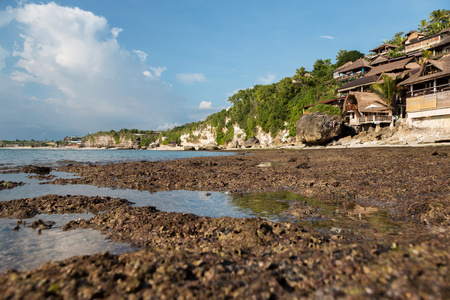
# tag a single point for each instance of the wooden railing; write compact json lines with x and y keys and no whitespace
{"x":371,"y":119}
{"x":428,"y":91}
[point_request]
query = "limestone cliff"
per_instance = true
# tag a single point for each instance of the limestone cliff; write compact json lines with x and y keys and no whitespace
{"x":202,"y":137}
{"x":108,"y":141}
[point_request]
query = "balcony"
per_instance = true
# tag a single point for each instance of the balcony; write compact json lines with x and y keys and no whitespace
{"x":428,"y":91}
{"x":374,"y":119}
{"x":422,"y":44}
{"x":430,"y":98}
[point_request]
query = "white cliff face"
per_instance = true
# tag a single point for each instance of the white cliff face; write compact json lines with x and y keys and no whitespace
{"x":239,"y":135}
{"x":208,"y":135}
{"x":266,"y":139}
{"x":199,"y":137}
{"x":107,"y":141}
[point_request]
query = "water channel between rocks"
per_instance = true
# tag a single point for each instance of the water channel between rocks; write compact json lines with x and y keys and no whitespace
{"x":25,"y":249}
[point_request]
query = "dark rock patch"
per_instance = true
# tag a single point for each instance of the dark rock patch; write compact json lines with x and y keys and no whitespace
{"x":8,"y":185}
{"x":54,"y":204}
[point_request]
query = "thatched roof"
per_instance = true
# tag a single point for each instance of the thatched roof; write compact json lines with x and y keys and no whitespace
{"x":407,"y":63}
{"x":358,"y":83}
{"x":379,"y":60}
{"x":399,"y":75}
{"x":383,"y":47}
{"x":362,"y":102}
{"x":357,"y":64}
{"x":343,"y":66}
{"x":443,"y":65}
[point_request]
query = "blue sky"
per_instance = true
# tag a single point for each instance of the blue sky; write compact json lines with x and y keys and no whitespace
{"x":76,"y":66}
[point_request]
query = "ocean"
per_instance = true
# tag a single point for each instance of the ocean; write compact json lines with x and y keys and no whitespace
{"x":13,"y":157}
{"x":25,"y":249}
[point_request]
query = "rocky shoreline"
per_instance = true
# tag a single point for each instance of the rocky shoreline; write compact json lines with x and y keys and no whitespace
{"x":384,"y":234}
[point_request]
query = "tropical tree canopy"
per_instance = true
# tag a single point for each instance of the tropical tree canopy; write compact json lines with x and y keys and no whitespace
{"x":388,"y":90}
{"x":345,"y":56}
{"x":438,"y":20}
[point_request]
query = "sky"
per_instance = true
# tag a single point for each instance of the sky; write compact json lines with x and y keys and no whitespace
{"x":71,"y":67}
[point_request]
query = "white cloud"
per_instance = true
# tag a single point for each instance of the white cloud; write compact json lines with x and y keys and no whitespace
{"x":205,"y":105}
{"x":167,"y":126}
{"x":268,"y":79}
{"x":115,"y":31}
{"x":327,"y":37}
{"x":191,"y":78}
{"x":77,"y":76}
{"x":157,"y":71}
{"x":148,"y":74}
{"x":141,"y":54}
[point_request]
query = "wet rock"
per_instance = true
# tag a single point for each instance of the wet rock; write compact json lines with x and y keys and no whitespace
{"x":55,"y":204}
{"x":41,"y":177}
{"x":9,"y":184}
{"x":36,"y":169}
{"x":42,"y":225}
{"x":188,"y":256}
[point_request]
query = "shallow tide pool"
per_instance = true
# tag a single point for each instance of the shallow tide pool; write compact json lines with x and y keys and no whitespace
{"x":25,"y":249}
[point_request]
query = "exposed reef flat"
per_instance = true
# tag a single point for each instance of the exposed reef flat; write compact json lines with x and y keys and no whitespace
{"x":192,"y":257}
{"x":9,"y":184}
{"x":55,"y":204}
{"x":410,"y":182}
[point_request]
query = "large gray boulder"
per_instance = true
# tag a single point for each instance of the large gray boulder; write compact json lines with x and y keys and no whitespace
{"x":251,"y":142}
{"x":318,"y":128}
{"x":211,"y":146}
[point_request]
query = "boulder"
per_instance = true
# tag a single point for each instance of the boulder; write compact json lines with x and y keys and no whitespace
{"x":189,"y":148}
{"x":211,"y":146}
{"x":319,"y":129}
{"x":251,"y":142}
{"x":233,"y":145}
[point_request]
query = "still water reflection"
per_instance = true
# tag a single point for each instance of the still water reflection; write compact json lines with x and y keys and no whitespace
{"x":25,"y":249}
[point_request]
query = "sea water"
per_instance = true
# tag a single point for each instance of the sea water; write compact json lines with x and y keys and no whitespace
{"x":25,"y":249}
{"x":13,"y":157}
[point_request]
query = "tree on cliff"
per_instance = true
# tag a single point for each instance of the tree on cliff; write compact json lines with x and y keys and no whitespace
{"x":344,"y":56}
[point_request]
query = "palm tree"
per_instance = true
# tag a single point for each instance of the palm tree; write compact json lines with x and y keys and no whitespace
{"x":423,"y":26}
{"x":388,"y":90}
{"x":438,"y":15}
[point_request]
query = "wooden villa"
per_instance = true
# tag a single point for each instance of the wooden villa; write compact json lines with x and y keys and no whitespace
{"x":428,"y":94}
{"x":358,"y":85}
{"x":353,"y":70}
{"x":438,"y":43}
{"x":383,"y":49}
{"x":363,"y":110}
